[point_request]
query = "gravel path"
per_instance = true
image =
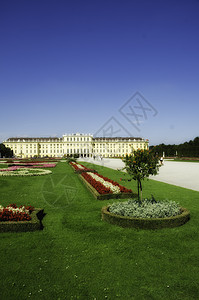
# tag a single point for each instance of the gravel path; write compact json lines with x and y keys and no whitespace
{"x":184,"y":174}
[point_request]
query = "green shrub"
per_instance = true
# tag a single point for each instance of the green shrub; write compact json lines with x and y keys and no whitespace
{"x":71,"y":159}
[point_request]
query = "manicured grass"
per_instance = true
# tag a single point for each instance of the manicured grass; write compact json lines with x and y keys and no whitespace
{"x":3,"y":166}
{"x":78,"y":256}
{"x":185,"y":160}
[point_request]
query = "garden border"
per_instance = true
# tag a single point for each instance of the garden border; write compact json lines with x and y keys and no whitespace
{"x":146,"y":223}
{"x":105,"y":196}
{"x":23,"y":226}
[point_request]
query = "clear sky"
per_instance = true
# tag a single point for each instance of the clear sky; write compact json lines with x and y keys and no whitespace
{"x":107,"y":67}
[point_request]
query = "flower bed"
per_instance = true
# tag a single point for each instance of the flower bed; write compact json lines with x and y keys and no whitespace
{"x":100,"y":186}
{"x":21,"y":171}
{"x":31,"y":161}
{"x":78,"y":168}
{"x":146,"y":223}
{"x":18,"y":219}
{"x":148,"y":208}
{"x":14,"y":213}
{"x":32,"y":165}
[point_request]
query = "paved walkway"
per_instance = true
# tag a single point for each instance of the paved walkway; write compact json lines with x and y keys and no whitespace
{"x":184,"y":174}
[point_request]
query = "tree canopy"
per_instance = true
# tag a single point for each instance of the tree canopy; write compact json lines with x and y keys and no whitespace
{"x":5,"y":151}
{"x":187,"y":149}
{"x":140,"y":165}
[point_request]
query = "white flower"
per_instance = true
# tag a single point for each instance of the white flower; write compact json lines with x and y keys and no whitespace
{"x":79,"y":166}
{"x":25,"y":172}
{"x":115,"y":189}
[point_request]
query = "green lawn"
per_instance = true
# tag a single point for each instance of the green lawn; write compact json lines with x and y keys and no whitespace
{"x":3,"y":166}
{"x":183,"y":160}
{"x":78,"y":256}
{"x":186,"y":160}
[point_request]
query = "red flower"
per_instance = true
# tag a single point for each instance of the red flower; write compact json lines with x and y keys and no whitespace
{"x":8,"y":214}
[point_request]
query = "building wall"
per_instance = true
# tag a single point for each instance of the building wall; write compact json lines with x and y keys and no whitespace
{"x":70,"y":144}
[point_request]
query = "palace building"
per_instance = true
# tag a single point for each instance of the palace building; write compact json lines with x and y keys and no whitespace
{"x":83,"y":145}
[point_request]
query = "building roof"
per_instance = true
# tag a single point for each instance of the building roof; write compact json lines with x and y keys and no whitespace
{"x":119,"y":138}
{"x":57,"y":139}
{"x":25,"y":139}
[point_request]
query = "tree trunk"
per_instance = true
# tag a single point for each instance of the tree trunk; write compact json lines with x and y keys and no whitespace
{"x":138,"y":187}
{"x":141,"y":191}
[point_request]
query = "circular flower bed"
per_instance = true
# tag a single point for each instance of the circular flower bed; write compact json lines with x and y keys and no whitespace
{"x":25,"y":172}
{"x":148,"y":215}
{"x":146,"y":209}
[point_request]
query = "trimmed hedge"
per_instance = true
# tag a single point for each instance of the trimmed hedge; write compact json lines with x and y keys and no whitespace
{"x":146,"y":223}
{"x":22,"y":226}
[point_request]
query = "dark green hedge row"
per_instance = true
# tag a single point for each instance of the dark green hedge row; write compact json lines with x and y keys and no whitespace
{"x":145,"y":223}
{"x":22,"y":226}
{"x":87,"y":170}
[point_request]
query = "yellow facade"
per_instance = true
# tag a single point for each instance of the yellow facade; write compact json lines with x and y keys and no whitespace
{"x":75,"y":144}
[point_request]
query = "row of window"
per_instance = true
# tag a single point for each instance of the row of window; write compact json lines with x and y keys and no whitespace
{"x":78,"y":145}
{"x":75,"y":151}
{"x":76,"y":139}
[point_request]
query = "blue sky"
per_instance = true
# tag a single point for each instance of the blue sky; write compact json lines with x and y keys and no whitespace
{"x":71,"y":66}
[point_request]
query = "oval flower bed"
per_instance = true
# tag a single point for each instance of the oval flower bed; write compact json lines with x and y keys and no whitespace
{"x":21,"y":171}
{"x":22,"y":218}
{"x":100,"y":186}
{"x":148,"y":215}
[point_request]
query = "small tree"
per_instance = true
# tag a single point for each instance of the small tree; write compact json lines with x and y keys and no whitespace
{"x":140,"y":165}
